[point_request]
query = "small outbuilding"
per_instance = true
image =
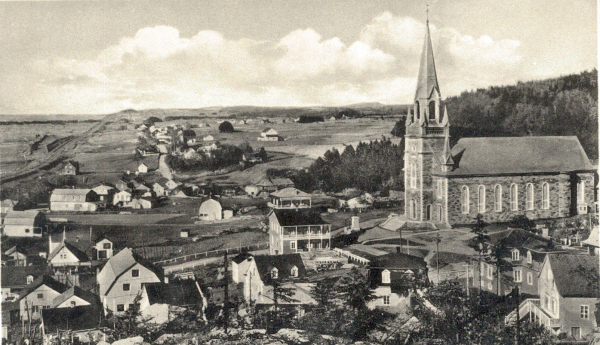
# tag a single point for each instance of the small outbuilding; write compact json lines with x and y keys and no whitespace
{"x":211,"y":210}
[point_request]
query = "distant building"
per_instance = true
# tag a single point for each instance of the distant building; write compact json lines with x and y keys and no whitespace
{"x":159,"y":188}
{"x":64,"y":254}
{"x":28,"y":223}
{"x":15,"y":256}
{"x":593,"y":242}
{"x":73,"y":200}
{"x":123,"y":198}
{"x":269,"y":134}
{"x":568,"y":296}
{"x":105,"y":193}
{"x":296,"y":230}
{"x":83,"y":322}
{"x":142,"y":203}
{"x":289,"y":198}
{"x":142,"y":168}
{"x":208,"y":138}
{"x":211,"y":210}
{"x":70,"y":168}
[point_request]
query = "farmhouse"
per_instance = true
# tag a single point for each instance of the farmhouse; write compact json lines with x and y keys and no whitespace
{"x":142,"y":203}
{"x":28,"y":223}
{"x":269,"y":134}
{"x":70,"y":168}
{"x":73,"y":200}
{"x":291,"y":231}
{"x":15,"y":256}
{"x":208,"y":138}
{"x":159,"y":188}
{"x":499,"y":178}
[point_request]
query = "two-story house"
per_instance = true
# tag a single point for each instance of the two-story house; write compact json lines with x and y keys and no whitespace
{"x":104,"y":248}
{"x":64,"y":254}
{"x":294,"y":230}
{"x":105,"y":194}
{"x":569,"y":292}
{"x":121,"y":279}
{"x":70,"y":168}
{"x":393,"y":276}
{"x":122,"y":198}
{"x":289,"y":198}
{"x":39,"y":295}
{"x":73,"y":200}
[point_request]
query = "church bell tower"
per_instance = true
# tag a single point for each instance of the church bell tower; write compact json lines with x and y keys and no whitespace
{"x":427,"y":148}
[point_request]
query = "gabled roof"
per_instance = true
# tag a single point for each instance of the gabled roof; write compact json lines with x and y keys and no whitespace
{"x":73,"y":163}
{"x":17,"y":275}
{"x":399,"y":261}
{"x":427,"y":79}
{"x":177,"y":292}
{"x":282,"y":181}
{"x":519,"y":238}
{"x":74,"y":319}
{"x":44,"y":280}
{"x":518,"y":155}
{"x":66,"y":191}
{"x":283,"y":263}
{"x":119,"y":264}
{"x":8,"y":203}
{"x":21,"y":217}
{"x":298,"y":217}
{"x":574,"y":274}
{"x":80,"y":255}
{"x":289,"y":193}
{"x":241,"y":257}
{"x":87,"y":296}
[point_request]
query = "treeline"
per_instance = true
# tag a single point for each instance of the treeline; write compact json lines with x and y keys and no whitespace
{"x":222,"y":157}
{"x":370,"y":167}
{"x":566,"y":105}
{"x":45,"y":122}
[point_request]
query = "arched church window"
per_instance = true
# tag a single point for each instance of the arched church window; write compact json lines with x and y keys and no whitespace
{"x":413,"y":175}
{"x":514,"y":197}
{"x":432,"y":110}
{"x":417,"y":110}
{"x":413,"y":209}
{"x":439,"y":213}
{"x":498,"y":198}
{"x":465,"y":199}
{"x":545,"y":196}
{"x":428,"y":212}
{"x":530,"y":196}
{"x":581,"y":192}
{"x":481,"y":199}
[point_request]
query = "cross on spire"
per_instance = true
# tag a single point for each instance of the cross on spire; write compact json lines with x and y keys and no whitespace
{"x":427,"y":11}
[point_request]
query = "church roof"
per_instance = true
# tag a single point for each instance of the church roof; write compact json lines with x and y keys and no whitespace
{"x":427,"y":79}
{"x":518,"y":155}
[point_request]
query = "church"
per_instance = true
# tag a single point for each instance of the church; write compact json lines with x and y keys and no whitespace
{"x":541,"y":177}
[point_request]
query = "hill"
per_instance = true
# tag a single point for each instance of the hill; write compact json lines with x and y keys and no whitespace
{"x":567,"y":105}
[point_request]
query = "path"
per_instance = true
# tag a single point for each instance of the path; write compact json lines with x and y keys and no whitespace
{"x":163,"y":168}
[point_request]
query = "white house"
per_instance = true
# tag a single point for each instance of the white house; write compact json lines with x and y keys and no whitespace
{"x":104,"y":192}
{"x":269,"y":134}
{"x":73,"y":200}
{"x":74,"y":297}
{"x":28,"y":223}
{"x":208,"y":138}
{"x":211,"y":210}
{"x":104,"y":248}
{"x":64,"y":254}
{"x":142,"y":168}
{"x":121,"y":279}
{"x":123,"y":197}
{"x":39,"y":295}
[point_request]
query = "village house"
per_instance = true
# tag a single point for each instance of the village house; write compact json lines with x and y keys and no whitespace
{"x":498,"y":177}
{"x":159,"y":188}
{"x":142,"y":203}
{"x":15,"y":256}
{"x":73,"y":297}
{"x":172,"y":184}
{"x":104,"y":248}
{"x":268,"y":185}
{"x":30,"y":223}
{"x":256,"y":273}
{"x":289,"y":198}
{"x":180,"y":293}
{"x":142,"y":168}
{"x":65,"y":255}
{"x":269,"y":134}
{"x":122,"y":185}
{"x":393,"y":276}
{"x":70,"y":168}
{"x":122,"y":198}
{"x":568,"y":295}
{"x":73,"y":200}
{"x":83,"y":324}
{"x":208,"y":138}
{"x":294,"y":230}
{"x":121,"y":279}
{"x":16,"y":278}
{"x":105,"y":193}
{"x":181,"y":191}
{"x":592,"y":243}
{"x":39,"y":295}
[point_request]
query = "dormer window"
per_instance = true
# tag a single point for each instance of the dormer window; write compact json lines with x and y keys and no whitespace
{"x":294,"y":271}
{"x":274,"y":273}
{"x":529,"y":258}
{"x":29,"y":279}
{"x":515,"y":255}
{"x":385,"y":277}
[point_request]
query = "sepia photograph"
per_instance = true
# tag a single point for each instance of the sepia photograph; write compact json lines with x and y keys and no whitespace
{"x":296,"y":172}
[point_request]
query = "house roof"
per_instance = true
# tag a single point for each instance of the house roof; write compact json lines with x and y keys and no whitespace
{"x":399,"y":261}
{"x":119,"y":264}
{"x":298,"y":217}
{"x":518,"y":155}
{"x":17,"y":275}
{"x":73,"y":163}
{"x":74,"y":319}
{"x":66,"y":191}
{"x":241,"y":257}
{"x":79,"y":254}
{"x":282,"y":181}
{"x":21,"y":217}
{"x":177,"y":292}
{"x":44,"y":280}
{"x":574,"y":275}
{"x":290,"y":192}
{"x":8,"y":203}
{"x":283,"y":263}
{"x":87,"y":296}
{"x":517,"y":238}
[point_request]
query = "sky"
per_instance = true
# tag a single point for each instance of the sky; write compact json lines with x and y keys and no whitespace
{"x":99,"y":57}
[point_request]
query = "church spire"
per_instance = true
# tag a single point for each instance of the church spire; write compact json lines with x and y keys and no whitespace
{"x":427,"y":79}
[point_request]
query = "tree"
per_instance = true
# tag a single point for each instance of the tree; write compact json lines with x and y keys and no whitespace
{"x":245,"y":146}
{"x":481,"y":238}
{"x":324,"y":293}
{"x":522,"y":222}
{"x":262,"y":154}
{"x":355,"y":290}
{"x":152,"y":120}
{"x":226,"y":127}
{"x":189,"y":133}
{"x":399,"y":128}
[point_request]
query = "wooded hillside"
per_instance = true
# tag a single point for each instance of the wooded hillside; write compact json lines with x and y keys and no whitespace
{"x":566,"y":105}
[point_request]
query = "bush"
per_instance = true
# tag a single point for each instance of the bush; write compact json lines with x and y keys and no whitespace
{"x":226,"y":127}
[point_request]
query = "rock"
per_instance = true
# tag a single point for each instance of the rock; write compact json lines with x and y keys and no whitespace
{"x":129,"y":341}
{"x":294,"y":336}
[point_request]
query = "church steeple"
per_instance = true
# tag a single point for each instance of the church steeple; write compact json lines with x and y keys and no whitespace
{"x":427,"y":79}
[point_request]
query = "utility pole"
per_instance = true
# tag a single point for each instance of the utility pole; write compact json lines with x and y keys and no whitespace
{"x":468,"y":266}
{"x":226,"y":295}
{"x":437,"y":256}
{"x":518,"y":335}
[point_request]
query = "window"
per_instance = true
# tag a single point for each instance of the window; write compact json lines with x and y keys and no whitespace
{"x":413,"y":208}
{"x":439,"y":213}
{"x":481,"y":199}
{"x":428,"y":212}
{"x":135,"y":273}
{"x":514,"y":197}
{"x":529,"y":278}
{"x":73,"y":303}
{"x":576,"y":332}
{"x":40,"y":296}
{"x":386,"y":300}
{"x":490,"y":272}
{"x":106,"y":245}
{"x":27,"y":230}
{"x":465,"y":199}
{"x":29,"y":279}
{"x":545,"y":196}
{"x":293,"y":245}
{"x":529,"y":257}
{"x":294,"y":271}
{"x":274,"y":273}
{"x":498,"y":198}
{"x":517,"y":276}
{"x":120,"y":307}
{"x":529,"y":195}
{"x":385,"y":277}
{"x":515,"y":255}
{"x":413,"y":175}
{"x":126,"y":287}
{"x":417,"y":110}
{"x":584,"y":312}
{"x":581,"y":192}
{"x":432,"y":110}
{"x":63,"y":256}
{"x":440,"y":187}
